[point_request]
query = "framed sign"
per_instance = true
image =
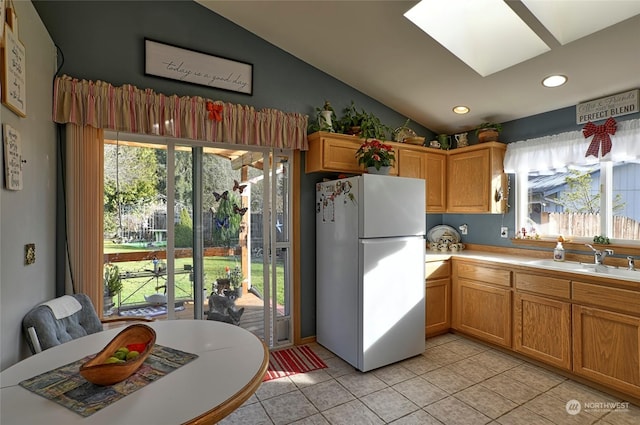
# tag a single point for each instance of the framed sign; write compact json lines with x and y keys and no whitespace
{"x":12,"y":158}
{"x":606,"y":107}
{"x":14,"y":73}
{"x":177,"y":63}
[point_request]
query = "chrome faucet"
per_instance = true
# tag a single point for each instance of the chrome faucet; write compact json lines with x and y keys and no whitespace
{"x":599,"y":256}
{"x":632,"y":263}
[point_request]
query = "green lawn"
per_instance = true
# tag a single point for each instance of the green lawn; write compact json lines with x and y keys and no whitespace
{"x":135,"y":288}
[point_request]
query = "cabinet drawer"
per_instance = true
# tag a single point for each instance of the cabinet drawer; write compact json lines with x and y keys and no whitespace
{"x":543,"y":285}
{"x":484,"y":274}
{"x":436,"y":269}
{"x":614,"y":298}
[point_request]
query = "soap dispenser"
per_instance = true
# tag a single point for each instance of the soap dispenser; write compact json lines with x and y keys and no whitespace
{"x":558,"y":252}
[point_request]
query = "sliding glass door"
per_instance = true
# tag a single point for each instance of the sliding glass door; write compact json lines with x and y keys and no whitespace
{"x":185,"y":221}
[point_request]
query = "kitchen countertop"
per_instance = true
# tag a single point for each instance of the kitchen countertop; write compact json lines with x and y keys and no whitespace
{"x":604,"y":272}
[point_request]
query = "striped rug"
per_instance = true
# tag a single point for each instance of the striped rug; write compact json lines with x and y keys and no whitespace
{"x":292,"y":360}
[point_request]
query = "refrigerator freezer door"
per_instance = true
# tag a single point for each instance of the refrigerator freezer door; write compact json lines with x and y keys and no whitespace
{"x":391,"y":301}
{"x":337,"y":312}
{"x":391,"y":206}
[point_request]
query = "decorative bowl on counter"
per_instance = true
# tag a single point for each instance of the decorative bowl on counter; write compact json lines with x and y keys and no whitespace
{"x":100,"y":372}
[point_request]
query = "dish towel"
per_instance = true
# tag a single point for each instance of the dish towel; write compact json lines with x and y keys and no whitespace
{"x":63,"y":306}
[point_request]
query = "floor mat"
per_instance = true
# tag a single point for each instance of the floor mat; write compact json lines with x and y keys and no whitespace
{"x":150,"y":311}
{"x":291,"y":361}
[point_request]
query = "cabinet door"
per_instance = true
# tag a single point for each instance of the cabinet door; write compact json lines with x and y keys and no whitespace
{"x":438,"y":310}
{"x":428,"y":166}
{"x":606,"y":348}
{"x":435,"y":174}
{"x":542,"y":329}
{"x":482,"y":311}
{"x":340,"y":155}
{"x":469,"y":182}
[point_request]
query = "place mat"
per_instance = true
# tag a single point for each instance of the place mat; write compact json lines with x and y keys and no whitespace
{"x":292,"y":360}
{"x":68,"y":388}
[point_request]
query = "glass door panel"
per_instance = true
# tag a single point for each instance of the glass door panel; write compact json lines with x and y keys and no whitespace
{"x":135,"y":229}
{"x":181,"y":291}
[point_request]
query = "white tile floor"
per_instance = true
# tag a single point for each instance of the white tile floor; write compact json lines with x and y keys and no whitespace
{"x":456,"y":381}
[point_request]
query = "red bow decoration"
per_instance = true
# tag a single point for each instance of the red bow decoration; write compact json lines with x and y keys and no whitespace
{"x":600,"y":135}
{"x":215,"y":111}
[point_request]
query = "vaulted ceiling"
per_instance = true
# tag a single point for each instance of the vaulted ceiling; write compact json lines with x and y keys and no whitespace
{"x":372,"y":47}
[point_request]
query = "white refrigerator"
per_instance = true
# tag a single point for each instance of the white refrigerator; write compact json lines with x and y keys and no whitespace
{"x":370,"y":269}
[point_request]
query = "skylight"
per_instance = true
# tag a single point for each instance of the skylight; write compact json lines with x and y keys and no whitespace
{"x":485,"y":34}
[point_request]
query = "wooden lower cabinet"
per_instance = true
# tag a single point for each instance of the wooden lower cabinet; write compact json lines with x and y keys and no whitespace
{"x":606,"y":348}
{"x":438,"y":298}
{"x":542,"y":329}
{"x":483,"y":311}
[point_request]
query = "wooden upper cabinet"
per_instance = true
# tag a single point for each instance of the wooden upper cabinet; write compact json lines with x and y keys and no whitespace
{"x":430,"y":166}
{"x":476,"y":180}
{"x":331,"y":154}
{"x":336,"y":153}
{"x":464,"y":180}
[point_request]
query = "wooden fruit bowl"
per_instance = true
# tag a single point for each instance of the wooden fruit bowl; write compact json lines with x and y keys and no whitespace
{"x":100,"y":373}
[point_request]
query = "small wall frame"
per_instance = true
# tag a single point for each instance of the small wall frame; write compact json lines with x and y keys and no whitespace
{"x":177,"y":63}
{"x":14,"y":73}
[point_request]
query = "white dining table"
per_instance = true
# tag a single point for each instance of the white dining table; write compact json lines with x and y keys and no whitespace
{"x":229,"y":368}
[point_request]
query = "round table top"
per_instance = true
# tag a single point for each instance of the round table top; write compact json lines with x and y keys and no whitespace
{"x":229,"y":368}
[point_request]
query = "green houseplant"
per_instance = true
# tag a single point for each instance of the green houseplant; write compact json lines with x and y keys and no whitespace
{"x":488,"y":132}
{"x":362,"y":123}
{"x":112,"y":281}
{"x":112,"y":286}
{"x":375,"y":154}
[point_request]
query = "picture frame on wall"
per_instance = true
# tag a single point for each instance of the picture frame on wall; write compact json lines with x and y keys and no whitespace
{"x":191,"y":66}
{"x":14,"y":73}
{"x":12,"y":158}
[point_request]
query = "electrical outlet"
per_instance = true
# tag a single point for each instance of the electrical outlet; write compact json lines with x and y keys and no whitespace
{"x":29,"y":254}
{"x":504,"y":232}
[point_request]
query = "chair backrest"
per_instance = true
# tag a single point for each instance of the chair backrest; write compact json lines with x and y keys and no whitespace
{"x":43,"y":330}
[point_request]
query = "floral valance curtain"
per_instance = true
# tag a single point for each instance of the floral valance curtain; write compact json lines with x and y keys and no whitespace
{"x":559,"y":152}
{"x":129,"y":109}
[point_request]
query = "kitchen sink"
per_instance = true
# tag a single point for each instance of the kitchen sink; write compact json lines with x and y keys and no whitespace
{"x":590,"y":268}
{"x":562,"y":265}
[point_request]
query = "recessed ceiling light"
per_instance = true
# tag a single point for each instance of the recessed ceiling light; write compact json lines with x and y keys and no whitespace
{"x":554,"y":80}
{"x":461,"y":109}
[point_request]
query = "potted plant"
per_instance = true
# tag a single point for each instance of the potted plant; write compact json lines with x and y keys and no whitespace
{"x":223,"y":281}
{"x":325,"y":117}
{"x":375,"y":156}
{"x":236,"y":279}
{"x":350,"y":121}
{"x":362,"y":123}
{"x":112,"y":285}
{"x":488,"y":132}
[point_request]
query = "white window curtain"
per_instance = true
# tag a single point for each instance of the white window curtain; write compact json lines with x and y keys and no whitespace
{"x":557,"y":153}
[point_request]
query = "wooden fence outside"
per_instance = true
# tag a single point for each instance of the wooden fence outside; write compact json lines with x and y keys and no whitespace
{"x":589,"y":225}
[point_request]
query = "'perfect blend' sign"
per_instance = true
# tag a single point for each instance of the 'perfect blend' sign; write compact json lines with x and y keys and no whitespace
{"x":606,"y":107}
